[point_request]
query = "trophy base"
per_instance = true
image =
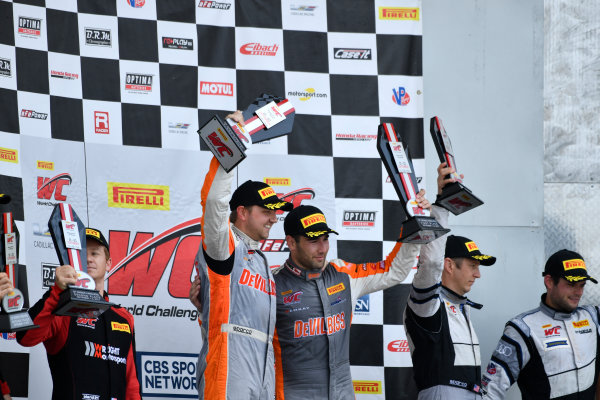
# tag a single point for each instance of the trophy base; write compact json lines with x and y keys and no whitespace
{"x":457,"y":199}
{"x":16,"y":321}
{"x":421,"y":230}
{"x":77,"y":302}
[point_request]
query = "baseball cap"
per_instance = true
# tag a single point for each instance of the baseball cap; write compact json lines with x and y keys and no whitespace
{"x":569,"y":265}
{"x":95,"y":234}
{"x":462,"y":247}
{"x":254,"y":193}
{"x":306,"y":220}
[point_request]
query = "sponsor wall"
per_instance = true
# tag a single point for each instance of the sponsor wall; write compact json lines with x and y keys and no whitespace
{"x":101,"y":103}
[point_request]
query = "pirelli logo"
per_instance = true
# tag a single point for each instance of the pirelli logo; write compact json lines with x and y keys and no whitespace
{"x":335,"y":288}
{"x":399,"y":13}
{"x":47,"y":165}
{"x":471,"y":246}
{"x":278,"y":181}
{"x":120,"y":327}
{"x":266,"y":192}
{"x":9,"y":155}
{"x":581,"y":324}
{"x":312,"y":220}
{"x":573,"y":264}
{"x":92,"y":232}
{"x":367,"y":387}
{"x":132,"y":195}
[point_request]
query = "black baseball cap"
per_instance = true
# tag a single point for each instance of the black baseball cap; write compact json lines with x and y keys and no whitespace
{"x":95,"y":234}
{"x":567,"y":264}
{"x":254,"y":193}
{"x":462,"y":247}
{"x":306,"y":220}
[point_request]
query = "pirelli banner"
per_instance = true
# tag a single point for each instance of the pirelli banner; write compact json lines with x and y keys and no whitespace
{"x":101,"y":101}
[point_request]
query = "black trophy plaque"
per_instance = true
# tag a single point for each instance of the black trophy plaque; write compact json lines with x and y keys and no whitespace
{"x":455,"y":197}
{"x":68,"y":235}
{"x":419,"y":227}
{"x":266,"y":118}
{"x":14,"y":316}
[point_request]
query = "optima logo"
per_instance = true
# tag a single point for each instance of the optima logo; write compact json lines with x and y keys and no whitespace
{"x":359,"y":218}
{"x":351,"y":54}
{"x":132,"y":195}
{"x":399,"y":13}
{"x":9,"y":155}
{"x":30,"y":26}
{"x":257,"y":49}
{"x":5,"y":69}
{"x":138,"y":82}
{"x":367,"y":387}
{"x":216,"y":88}
{"x":97,"y":37}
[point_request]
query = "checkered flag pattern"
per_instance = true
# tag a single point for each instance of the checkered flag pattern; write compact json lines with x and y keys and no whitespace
{"x":148,"y":73}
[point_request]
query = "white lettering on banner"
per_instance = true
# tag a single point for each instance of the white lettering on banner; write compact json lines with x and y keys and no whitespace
{"x":168,"y":374}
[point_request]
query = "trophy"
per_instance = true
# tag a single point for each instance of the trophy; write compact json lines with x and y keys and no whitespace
{"x":68,"y":235}
{"x":455,"y":197}
{"x":266,"y":118}
{"x":419,"y":227}
{"x":14,"y":317}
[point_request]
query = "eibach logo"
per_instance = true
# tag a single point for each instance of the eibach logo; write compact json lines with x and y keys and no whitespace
{"x":136,"y":3}
{"x":216,"y":88}
{"x":400,"y":96}
{"x":398,"y":346}
{"x":9,"y":155}
{"x":257,"y":49}
{"x":218,"y":144}
{"x":30,"y":26}
{"x":214,"y":4}
{"x":138,"y":196}
{"x":53,"y":187}
{"x":399,"y":13}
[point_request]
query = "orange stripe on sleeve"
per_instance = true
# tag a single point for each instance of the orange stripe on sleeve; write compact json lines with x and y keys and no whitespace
{"x":279,"y":393}
{"x":371,"y":268}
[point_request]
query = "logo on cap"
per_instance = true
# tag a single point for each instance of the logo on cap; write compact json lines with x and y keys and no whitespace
{"x":573,"y":264}
{"x":92,"y":232}
{"x":266,"y":192}
{"x":471,"y":246}
{"x":312,"y":220}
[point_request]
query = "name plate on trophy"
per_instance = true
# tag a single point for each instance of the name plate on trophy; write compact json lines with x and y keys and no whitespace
{"x":455,"y":197}
{"x":266,"y":118}
{"x":68,"y":235}
{"x":419,"y":226}
{"x":13,"y":317}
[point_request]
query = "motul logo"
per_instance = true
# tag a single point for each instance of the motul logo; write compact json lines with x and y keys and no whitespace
{"x":359,"y":218}
{"x":138,"y":82}
{"x":53,"y":187}
{"x":30,"y":26}
{"x":101,"y":124}
{"x":9,"y":155}
{"x":216,"y":88}
{"x":398,"y":346}
{"x":131,"y":195}
{"x":33,"y":114}
{"x":257,"y":49}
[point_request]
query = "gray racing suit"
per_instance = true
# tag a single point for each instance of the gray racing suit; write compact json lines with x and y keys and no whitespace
{"x":442,"y":341}
{"x":550,"y":354}
{"x":314,"y":312}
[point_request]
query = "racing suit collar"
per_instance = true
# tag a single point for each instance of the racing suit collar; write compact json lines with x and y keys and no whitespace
{"x":251,"y":243}
{"x":553,"y":313}
{"x":457,"y":298}
{"x":301,"y":272}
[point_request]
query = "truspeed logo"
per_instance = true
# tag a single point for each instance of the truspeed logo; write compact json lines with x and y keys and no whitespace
{"x":351,"y":54}
{"x":101,"y":122}
{"x":258,"y":49}
{"x":47,"y":165}
{"x":356,"y":137}
{"x":214,"y":4}
{"x":30,"y":26}
{"x":177,"y":43}
{"x":400,"y":96}
{"x":136,"y":3}
{"x":138,"y":82}
{"x":52,"y":188}
{"x":33,"y":114}
{"x":367,"y":387}
{"x":307,"y":94}
{"x":98,"y":37}
{"x":216,"y":88}
{"x":359,"y":219}
{"x":398,"y":346}
{"x":9,"y":155}
{"x":63,"y":75}
{"x":5,"y":67}
{"x":138,"y":196}
{"x":399,"y":13}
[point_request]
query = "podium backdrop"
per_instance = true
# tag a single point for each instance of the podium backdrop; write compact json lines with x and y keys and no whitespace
{"x":101,"y":101}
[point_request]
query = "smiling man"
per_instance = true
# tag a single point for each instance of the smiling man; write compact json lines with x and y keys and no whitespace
{"x":76,"y":374}
{"x":550,"y":351}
